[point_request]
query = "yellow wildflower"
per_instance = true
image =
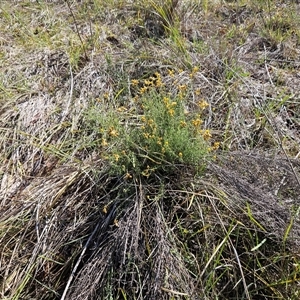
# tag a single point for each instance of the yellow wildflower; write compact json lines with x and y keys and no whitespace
{"x":121,"y":109}
{"x":134,"y":82}
{"x":150,"y":122}
{"x":104,"y":143}
{"x":157,"y":80}
{"x":197,"y":122}
{"x":182,"y":124}
{"x":182,"y":87}
{"x":203,"y":104}
{"x":157,"y":75}
{"x":146,"y":135}
{"x":143,"y":89}
{"x":171,"y":73}
{"x":159,"y":83}
{"x":127,"y":176}
{"x":171,"y":112}
{"x":215,"y":146}
{"x":113,"y":132}
{"x":195,"y":69}
{"x":166,"y":100}
{"x":206,"y":134}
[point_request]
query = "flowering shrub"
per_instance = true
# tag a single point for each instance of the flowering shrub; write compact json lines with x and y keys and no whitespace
{"x":157,"y":133}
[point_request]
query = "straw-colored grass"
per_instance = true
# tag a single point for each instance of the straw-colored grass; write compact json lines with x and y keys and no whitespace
{"x":149,"y":150}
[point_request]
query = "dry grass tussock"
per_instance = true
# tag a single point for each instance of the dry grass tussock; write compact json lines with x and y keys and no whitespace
{"x":148,"y":151}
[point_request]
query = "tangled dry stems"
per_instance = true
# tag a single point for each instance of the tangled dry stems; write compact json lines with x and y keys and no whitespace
{"x":150,"y":241}
{"x":70,"y":228}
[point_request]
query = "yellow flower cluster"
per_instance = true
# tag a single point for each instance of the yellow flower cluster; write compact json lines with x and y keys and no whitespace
{"x":127,"y":176}
{"x":143,"y":89}
{"x":203,"y":104}
{"x":182,"y":88}
{"x":182,"y":124}
{"x":206,"y":134}
{"x":112,"y":132}
{"x":104,"y":143}
{"x":170,"y":106}
{"x":197,"y":122}
{"x":107,"y":135}
{"x":134,"y":82}
{"x":197,"y":92}
{"x":158,"y":80}
{"x":194,"y":71}
{"x":215,"y":146}
{"x":149,"y":128}
{"x":171,"y":73}
{"x":152,"y":81}
{"x":150,"y":133}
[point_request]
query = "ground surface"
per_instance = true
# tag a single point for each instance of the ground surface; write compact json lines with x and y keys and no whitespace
{"x":149,"y":151}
